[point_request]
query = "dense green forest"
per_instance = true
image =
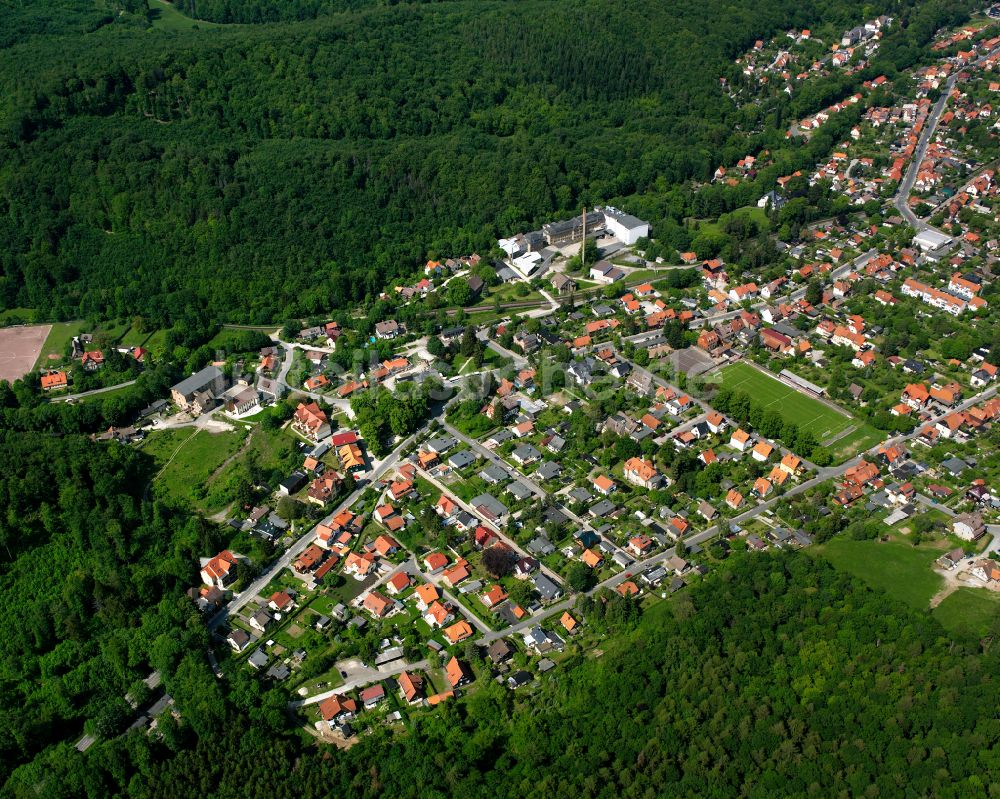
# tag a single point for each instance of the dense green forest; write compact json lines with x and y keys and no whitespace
{"x":291,"y":165}
{"x":261,"y":172}
{"x":777,"y":676}
{"x":92,"y":588}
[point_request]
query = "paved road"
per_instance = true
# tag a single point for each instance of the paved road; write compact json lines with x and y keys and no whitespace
{"x":92,"y":392}
{"x":362,"y":676}
{"x":794,"y":296}
{"x":518,"y":475}
{"x":486,"y":522}
{"x":342,"y":405}
{"x":901,"y":200}
{"x":712,"y":532}
{"x":284,"y":561}
{"x":906,"y":184}
{"x":638,"y":567}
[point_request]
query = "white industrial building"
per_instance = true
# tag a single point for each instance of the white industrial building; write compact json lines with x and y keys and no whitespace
{"x":626,"y":228}
{"x":931,"y":239}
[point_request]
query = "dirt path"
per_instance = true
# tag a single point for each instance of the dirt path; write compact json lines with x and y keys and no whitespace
{"x":950,"y":587}
{"x":839,"y":436}
{"x":231,"y":458}
{"x":221,"y":515}
{"x":165,"y":465}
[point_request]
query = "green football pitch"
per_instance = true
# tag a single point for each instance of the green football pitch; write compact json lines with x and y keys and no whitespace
{"x":808,"y":413}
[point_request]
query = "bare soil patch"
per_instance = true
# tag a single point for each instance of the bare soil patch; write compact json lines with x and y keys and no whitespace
{"x":19,"y":349}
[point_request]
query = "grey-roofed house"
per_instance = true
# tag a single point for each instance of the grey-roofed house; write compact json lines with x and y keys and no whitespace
{"x":497,"y":438}
{"x":622,"y":559}
{"x":582,"y":372}
{"x":654,"y":576}
{"x":556,"y":444}
{"x":579,"y":494}
{"x":441,"y":444}
{"x":321,"y":623}
{"x":260,"y":620}
{"x":461,"y":459}
{"x":537,"y":640}
{"x":541,"y":546}
{"x":954,"y":466}
{"x":292,"y":483}
{"x":258,"y":659}
{"x":549,"y":470}
{"x":238,"y":639}
{"x":545,"y":587}
{"x":602,"y":508}
{"x":518,"y":490}
{"x":493,"y":474}
{"x":491,"y":507}
{"x":499,"y":651}
{"x":465,"y":521}
{"x":211,"y":381}
{"x":525,"y":454}
{"x":554,"y":515}
{"x":780,"y":535}
{"x":279,"y":671}
{"x":518,"y":679}
{"x":563,"y":283}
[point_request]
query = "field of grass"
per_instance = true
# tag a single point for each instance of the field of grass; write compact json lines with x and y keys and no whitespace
{"x":17,"y":315}
{"x":758,"y":215}
{"x":771,"y":394}
{"x":167,"y":18}
{"x":972,"y":610}
{"x":863,"y":438}
{"x":270,"y":450}
{"x":902,"y":570}
{"x":58,"y":339}
{"x":509,"y":292}
{"x":146,"y":338}
{"x":187,"y":459}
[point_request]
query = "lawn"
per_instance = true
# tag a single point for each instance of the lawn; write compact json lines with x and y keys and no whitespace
{"x":758,"y":215}
{"x":902,"y":570}
{"x":971,"y":610}
{"x":20,"y":316}
{"x":771,"y":394}
{"x":510,"y":292}
{"x":148,"y":339}
{"x":859,"y":440}
{"x":167,"y":18}
{"x":188,"y":459}
{"x":58,"y":340}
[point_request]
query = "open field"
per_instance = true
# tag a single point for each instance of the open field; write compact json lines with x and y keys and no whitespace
{"x":188,"y":458}
{"x":17,"y":316}
{"x":793,"y":405}
{"x":59,"y":337}
{"x":267,"y":450}
{"x":19,"y":349}
{"x":969,"y":609}
{"x":758,"y":215}
{"x":509,"y":292}
{"x":167,"y":18}
{"x":902,"y":570}
{"x":862,"y":438}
